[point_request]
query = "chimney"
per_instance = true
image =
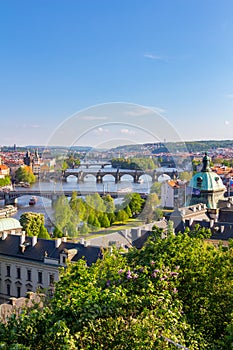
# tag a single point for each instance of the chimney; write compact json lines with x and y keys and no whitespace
{"x":34,"y":241}
{"x":22,"y":238}
{"x":190,"y":221}
{"x":57,"y":242}
{"x":222,"y":228}
{"x":82,"y":241}
{"x":211,"y":223}
{"x":4,"y":235}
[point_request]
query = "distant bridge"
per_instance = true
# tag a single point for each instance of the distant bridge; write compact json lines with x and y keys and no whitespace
{"x":11,"y":196}
{"x":99,"y":174}
{"x":102,"y":164}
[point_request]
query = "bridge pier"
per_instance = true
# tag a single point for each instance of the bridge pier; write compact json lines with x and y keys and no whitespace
{"x":80,"y":176}
{"x":9,"y":200}
{"x":54,"y":199}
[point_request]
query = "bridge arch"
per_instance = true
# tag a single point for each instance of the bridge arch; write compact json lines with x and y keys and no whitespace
{"x":89,"y":177}
{"x":145,"y":178}
{"x":108,"y":177}
{"x":127,"y":177}
{"x":71,"y":178}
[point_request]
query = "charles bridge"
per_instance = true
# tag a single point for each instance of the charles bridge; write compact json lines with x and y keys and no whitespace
{"x":99,"y":174}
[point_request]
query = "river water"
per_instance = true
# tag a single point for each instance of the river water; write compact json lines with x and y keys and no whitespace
{"x":43,"y":205}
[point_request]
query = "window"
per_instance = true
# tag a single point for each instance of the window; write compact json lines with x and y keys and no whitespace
{"x":8,"y":271}
{"x":29,"y":275}
{"x":18,"y":270}
{"x":64,"y":259}
{"x":18,"y":292}
{"x":51,"y":280}
{"x":40,"y":277}
{"x":8,"y":288}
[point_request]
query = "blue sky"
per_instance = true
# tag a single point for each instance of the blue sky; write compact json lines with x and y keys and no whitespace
{"x":59,"y":57}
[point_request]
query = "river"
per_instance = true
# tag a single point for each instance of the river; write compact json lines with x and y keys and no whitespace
{"x":43,"y":205}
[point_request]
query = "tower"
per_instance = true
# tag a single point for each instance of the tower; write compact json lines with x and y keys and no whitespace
{"x":207,"y":186}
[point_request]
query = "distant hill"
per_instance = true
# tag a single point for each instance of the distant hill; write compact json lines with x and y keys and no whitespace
{"x":173,"y":147}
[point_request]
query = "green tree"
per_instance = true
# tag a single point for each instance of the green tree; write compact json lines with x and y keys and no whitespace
{"x":5,"y":181}
{"x":156,"y":188}
{"x":135,"y":202}
{"x":185,"y":176}
{"x":25,"y":174}
{"x":32,"y":223}
{"x":43,"y":233}
{"x":84,"y":229}
{"x":122,"y":216}
{"x":104,"y":221}
{"x":109,"y":203}
{"x":128,"y":211}
{"x":62,"y":213}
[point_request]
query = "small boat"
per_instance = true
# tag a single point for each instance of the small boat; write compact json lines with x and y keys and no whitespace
{"x":33,"y":201}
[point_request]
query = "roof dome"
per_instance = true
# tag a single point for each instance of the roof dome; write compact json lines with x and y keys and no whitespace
{"x":7,"y":224}
{"x":207,"y":180}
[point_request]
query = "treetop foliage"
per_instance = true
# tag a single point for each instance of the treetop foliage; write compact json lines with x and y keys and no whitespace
{"x":173,"y":293}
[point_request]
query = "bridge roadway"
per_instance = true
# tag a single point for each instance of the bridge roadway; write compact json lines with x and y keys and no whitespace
{"x":11,"y":196}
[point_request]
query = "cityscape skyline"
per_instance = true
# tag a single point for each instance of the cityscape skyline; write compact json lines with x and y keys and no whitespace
{"x":171,"y":59}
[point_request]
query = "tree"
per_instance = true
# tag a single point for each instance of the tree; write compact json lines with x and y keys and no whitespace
{"x":156,"y":188}
{"x":84,"y":229}
{"x":62,"y":213}
{"x":43,"y":233}
{"x":32,"y":223}
{"x":104,"y":221}
{"x":109,"y":203}
{"x":114,"y":304}
{"x":128,"y":211}
{"x":5,"y":181}
{"x":25,"y":174}
{"x":134,"y":201}
{"x":185,"y":176}
{"x":122,"y":216}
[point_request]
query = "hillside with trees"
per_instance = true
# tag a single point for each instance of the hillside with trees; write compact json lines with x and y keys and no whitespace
{"x":173,"y":293}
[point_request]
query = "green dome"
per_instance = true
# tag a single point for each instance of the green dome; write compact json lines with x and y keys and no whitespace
{"x":207,"y":181}
{"x":8,"y":224}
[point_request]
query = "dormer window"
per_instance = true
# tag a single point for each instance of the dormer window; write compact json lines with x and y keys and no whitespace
{"x":199,"y":181}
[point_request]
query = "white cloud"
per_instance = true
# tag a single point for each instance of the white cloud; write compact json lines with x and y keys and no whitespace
{"x":226,"y":122}
{"x":31,"y":126}
{"x":101,"y":130}
{"x":154,"y":57}
{"x":93,"y":117}
{"x":229,"y":96}
{"x":137,"y":112}
{"x":127,"y":132}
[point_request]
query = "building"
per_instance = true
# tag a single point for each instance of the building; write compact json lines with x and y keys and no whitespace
{"x":27,"y":159}
{"x":207,"y":186}
{"x":9,"y":225}
{"x":36,"y":163}
{"x":31,"y":264}
{"x":4,"y":170}
{"x":172,"y":193}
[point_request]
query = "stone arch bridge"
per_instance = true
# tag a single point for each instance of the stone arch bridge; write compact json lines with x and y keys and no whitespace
{"x":12,"y":196}
{"x":99,"y":174}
